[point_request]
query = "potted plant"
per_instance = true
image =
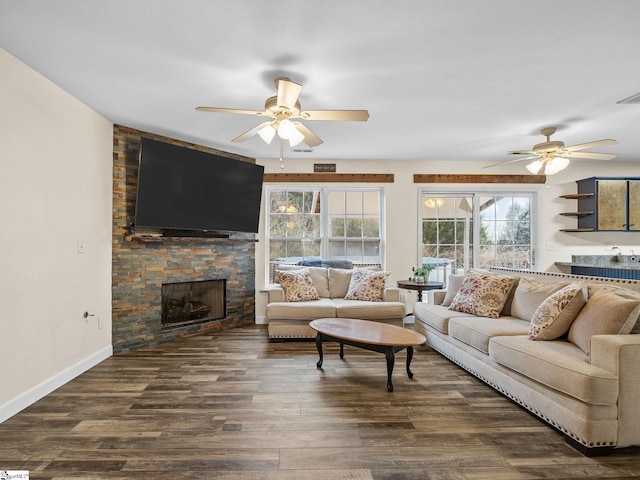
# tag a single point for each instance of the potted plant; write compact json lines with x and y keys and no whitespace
{"x":421,"y":274}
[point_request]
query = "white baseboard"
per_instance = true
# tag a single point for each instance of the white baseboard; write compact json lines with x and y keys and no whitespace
{"x":261,"y":320}
{"x":34,"y":394}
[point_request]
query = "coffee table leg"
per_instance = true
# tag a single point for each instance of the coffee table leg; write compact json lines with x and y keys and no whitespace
{"x":409,"y":357}
{"x":319,"y":347}
{"x":391,"y":359}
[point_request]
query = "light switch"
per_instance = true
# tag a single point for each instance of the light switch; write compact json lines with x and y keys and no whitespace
{"x":80,"y":246}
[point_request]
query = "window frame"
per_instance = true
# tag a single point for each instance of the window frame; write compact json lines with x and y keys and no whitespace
{"x":325,"y":238}
{"x":475,"y":193}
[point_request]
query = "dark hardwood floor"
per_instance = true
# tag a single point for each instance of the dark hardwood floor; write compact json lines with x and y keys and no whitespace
{"x":234,"y":406}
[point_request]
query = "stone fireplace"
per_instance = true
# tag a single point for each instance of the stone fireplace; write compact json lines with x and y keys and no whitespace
{"x":143,"y":264}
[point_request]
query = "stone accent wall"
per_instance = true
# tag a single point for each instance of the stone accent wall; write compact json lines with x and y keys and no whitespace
{"x":141,"y":265}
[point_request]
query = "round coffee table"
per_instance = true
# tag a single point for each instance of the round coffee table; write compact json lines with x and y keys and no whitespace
{"x":368,"y":335}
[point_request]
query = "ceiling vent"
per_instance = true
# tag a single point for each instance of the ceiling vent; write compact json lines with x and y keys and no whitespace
{"x":633,"y":99}
{"x":302,"y":150}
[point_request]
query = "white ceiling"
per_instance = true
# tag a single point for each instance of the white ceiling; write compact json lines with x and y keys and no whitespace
{"x":442,"y":79}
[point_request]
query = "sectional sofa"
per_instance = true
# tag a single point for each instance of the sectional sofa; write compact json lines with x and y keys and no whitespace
{"x":562,"y":346}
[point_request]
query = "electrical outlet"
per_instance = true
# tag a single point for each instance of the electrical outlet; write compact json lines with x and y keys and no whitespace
{"x":550,"y":246}
{"x":100,"y":322}
{"x":607,"y":246}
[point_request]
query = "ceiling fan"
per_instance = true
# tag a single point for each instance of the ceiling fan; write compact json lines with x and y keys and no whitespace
{"x":284,"y":107}
{"x":550,"y":157}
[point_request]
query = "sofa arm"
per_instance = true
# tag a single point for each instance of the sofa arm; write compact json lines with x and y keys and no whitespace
{"x":275,"y":293}
{"x":620,"y":355}
{"x":436,"y":297}
{"x":391,"y":294}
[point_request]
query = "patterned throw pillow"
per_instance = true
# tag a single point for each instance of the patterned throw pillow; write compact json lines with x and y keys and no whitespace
{"x":553,"y":318}
{"x":482,"y":294}
{"x":366,"y":285}
{"x":298,"y":285}
{"x":606,"y":313}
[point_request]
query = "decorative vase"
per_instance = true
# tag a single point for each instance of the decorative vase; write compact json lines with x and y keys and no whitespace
{"x":418,"y":279}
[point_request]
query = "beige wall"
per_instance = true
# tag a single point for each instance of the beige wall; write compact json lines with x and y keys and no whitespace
{"x":401,"y":249}
{"x":55,"y":189}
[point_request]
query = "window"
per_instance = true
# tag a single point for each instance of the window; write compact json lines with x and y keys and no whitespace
{"x":450,"y":239}
{"x":323,"y":223}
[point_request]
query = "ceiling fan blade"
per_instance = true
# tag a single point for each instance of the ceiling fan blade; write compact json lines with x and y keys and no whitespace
{"x":310,"y":138}
{"x":511,"y":161}
{"x":339,"y":115}
{"x":593,"y":155}
{"x":520,"y":152}
{"x":250,"y":133}
{"x":288,"y":92}
{"x":585,"y":146}
{"x":229,"y":110}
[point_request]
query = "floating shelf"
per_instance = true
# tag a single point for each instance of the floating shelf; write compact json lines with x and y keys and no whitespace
{"x":576,"y":229}
{"x":577,"y":196}
{"x":576,"y":214}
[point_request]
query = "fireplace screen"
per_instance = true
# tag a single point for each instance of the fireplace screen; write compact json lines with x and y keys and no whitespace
{"x":190,"y":302}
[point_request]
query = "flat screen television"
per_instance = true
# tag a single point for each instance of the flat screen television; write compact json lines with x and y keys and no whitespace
{"x":181,"y":189}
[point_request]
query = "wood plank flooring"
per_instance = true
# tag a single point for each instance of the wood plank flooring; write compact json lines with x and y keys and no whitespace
{"x":234,"y":406}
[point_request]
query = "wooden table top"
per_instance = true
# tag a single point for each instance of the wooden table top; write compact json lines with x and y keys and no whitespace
{"x":366,"y":331}
{"x":411,"y":285}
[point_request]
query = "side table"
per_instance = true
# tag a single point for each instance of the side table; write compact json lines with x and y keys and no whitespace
{"x":420,"y":287}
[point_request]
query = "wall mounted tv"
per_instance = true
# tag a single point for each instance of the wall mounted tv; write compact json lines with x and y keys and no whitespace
{"x":181,"y":189}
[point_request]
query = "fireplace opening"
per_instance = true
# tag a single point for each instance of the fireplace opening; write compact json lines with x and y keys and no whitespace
{"x":193,"y":302}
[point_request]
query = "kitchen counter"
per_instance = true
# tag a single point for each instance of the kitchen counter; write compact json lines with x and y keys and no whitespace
{"x":601,"y":266}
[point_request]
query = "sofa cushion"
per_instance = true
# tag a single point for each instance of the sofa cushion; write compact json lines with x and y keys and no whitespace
{"x":339,"y":280}
{"x":319,"y":275}
{"x":455,"y":282}
{"x":553,"y":318}
{"x":605,"y":313}
{"x":311,"y":310}
{"x":529,"y":294}
{"x":368,"y":311}
{"x":477,"y":331}
{"x":437,"y":316}
{"x":482,"y":294}
{"x":366,"y":285}
{"x":298,"y":285}
{"x":558,"y":364}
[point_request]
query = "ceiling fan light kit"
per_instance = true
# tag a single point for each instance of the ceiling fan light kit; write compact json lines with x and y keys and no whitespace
{"x":284,"y":107}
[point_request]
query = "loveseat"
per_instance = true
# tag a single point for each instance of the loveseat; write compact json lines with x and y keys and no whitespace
{"x":565,"y":347}
{"x":307,"y":293}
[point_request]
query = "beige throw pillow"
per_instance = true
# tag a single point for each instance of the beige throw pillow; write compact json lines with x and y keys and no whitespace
{"x":482,"y":294}
{"x":529,"y":295}
{"x":367,"y":285}
{"x":455,"y":282}
{"x":621,"y":292}
{"x":606,"y":313}
{"x":298,"y":285}
{"x":553,"y":318}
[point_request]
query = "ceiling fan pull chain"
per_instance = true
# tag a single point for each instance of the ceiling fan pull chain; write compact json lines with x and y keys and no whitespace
{"x":281,"y":150}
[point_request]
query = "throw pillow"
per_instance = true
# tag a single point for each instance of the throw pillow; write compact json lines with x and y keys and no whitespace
{"x":553,"y":318}
{"x":529,"y":295}
{"x":455,"y":282}
{"x":482,"y":294}
{"x":619,"y":291}
{"x":366,"y":285}
{"x":606,"y":313}
{"x":298,"y":285}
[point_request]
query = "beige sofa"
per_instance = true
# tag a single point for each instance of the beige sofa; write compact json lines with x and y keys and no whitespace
{"x":589,"y":396}
{"x":290,"y":319}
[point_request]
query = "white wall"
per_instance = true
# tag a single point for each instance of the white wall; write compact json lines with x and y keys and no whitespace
{"x":55,"y":189}
{"x":401,"y":250}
